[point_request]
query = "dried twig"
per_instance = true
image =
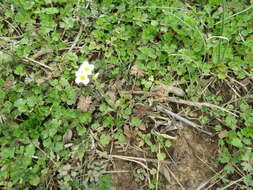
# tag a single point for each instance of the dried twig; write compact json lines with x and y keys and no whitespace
{"x":42,"y":52}
{"x":130,"y":159}
{"x":176,"y":179}
{"x":203,"y":184}
{"x":198,"y":104}
{"x":246,"y":97}
{"x":158,"y":169}
{"x":215,"y":182}
{"x":232,"y":183}
{"x":181,"y":101}
{"x":115,"y":171}
{"x":140,"y":159}
{"x":27,"y":60}
{"x":184,"y":120}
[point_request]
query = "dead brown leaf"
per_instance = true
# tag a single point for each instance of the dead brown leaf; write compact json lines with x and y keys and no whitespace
{"x":67,"y":136}
{"x":142,"y":127}
{"x":130,"y":134}
{"x":162,"y":91}
{"x":139,"y":73}
{"x":111,"y":94}
{"x":84,"y":103}
{"x":7,"y":84}
{"x":42,"y":79}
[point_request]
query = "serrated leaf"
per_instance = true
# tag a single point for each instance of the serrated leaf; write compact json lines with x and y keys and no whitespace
{"x":105,"y":139}
{"x":136,"y":122}
{"x":85,"y":118}
{"x":236,"y":142}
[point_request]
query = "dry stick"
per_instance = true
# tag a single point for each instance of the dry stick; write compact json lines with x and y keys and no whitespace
{"x":27,"y":60}
{"x":234,"y":90}
{"x":158,"y":169}
{"x":113,"y":171}
{"x":180,"y":101}
{"x":209,"y":167}
{"x":184,"y":120}
{"x":173,"y":175}
{"x":242,"y":85}
{"x":46,"y":51}
{"x":19,"y":32}
{"x":203,"y":184}
{"x":199,"y":104}
{"x":42,"y":52}
{"x":208,"y":181}
{"x":139,"y":159}
{"x":239,"y":99}
{"x":232,"y":183}
{"x":214,"y":182}
{"x":249,"y":75}
{"x":131,"y":160}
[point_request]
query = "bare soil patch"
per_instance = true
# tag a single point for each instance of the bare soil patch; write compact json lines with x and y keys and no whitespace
{"x":192,"y":158}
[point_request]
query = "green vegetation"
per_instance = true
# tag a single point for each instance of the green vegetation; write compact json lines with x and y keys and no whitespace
{"x":55,"y":133}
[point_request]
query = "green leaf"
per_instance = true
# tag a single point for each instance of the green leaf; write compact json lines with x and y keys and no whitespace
{"x":231,"y":121}
{"x":136,"y":122}
{"x":126,"y":113}
{"x":67,"y":23}
{"x":161,"y":156}
{"x":104,"y":109}
{"x":47,"y":23}
{"x":34,"y":180}
{"x":105,"y":139}
{"x":85,"y":117}
{"x":47,"y":143}
{"x":248,"y":180}
{"x":5,"y":58}
{"x":81,"y":130}
{"x":168,"y":143}
{"x":229,"y":169}
{"x":51,"y":10}
{"x":7,"y":153}
{"x":30,"y":150}
{"x":58,"y":146}
{"x":236,"y":142}
{"x":108,"y":121}
{"x":148,"y":52}
{"x":247,"y":132}
{"x":19,"y":102}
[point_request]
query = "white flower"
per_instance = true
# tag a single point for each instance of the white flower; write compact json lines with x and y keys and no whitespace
{"x":86,"y":68}
{"x":82,"y":78}
{"x":95,"y":77}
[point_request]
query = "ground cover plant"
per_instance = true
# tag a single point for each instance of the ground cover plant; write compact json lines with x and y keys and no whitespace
{"x":166,"y":101}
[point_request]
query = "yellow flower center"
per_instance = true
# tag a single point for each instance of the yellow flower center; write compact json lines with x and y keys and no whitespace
{"x":86,"y":69}
{"x":82,"y":77}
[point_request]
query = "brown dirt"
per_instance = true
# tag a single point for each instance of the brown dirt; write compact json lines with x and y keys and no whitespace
{"x":194,"y":154}
{"x":123,"y":181}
